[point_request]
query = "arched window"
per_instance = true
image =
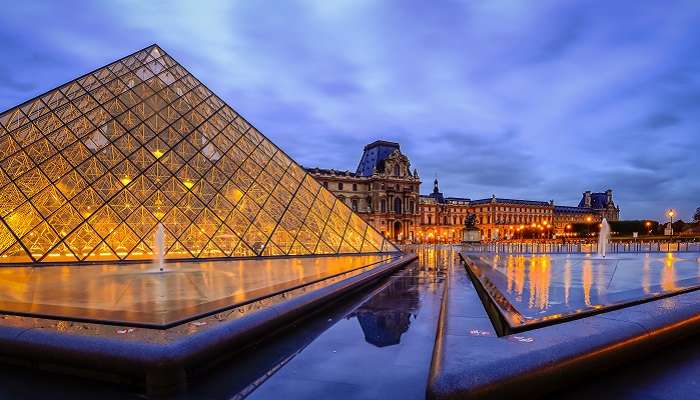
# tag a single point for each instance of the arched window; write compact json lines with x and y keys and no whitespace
{"x":430,"y":219}
{"x":444,"y":220}
{"x":382,"y":205}
{"x":396,"y":170}
{"x":397,"y":205}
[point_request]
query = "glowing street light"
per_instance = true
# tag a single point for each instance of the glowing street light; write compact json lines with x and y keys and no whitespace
{"x":589,"y":219}
{"x":670,"y":214}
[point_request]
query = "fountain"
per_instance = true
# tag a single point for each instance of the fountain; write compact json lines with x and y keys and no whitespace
{"x":603,"y":238}
{"x":159,"y":247}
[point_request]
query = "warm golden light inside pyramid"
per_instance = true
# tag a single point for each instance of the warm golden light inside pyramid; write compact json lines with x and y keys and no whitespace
{"x":89,"y":169}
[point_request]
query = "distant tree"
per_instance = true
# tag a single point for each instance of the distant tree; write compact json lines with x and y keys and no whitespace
{"x":696,"y":217}
{"x":622,"y":228}
{"x":627,"y":228}
{"x":679,"y":226}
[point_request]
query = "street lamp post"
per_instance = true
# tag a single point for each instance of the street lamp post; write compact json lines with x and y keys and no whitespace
{"x":588,"y":225}
{"x":671,"y":213}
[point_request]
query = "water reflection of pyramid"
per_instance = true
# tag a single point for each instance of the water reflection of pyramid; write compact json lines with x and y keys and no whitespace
{"x":88,"y":170}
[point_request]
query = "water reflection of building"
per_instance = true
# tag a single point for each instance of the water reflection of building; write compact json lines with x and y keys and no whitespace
{"x":387,"y":316}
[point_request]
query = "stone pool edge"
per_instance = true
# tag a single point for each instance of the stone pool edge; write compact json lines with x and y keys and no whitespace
{"x":471,"y":361}
{"x":163,"y":367}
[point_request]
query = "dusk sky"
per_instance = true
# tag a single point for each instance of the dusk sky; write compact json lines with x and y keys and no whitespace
{"x":523,"y":99}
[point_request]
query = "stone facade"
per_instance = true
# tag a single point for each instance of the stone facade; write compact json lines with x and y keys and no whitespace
{"x":442,"y":218}
{"x":386,"y":193}
{"x":383,"y":190}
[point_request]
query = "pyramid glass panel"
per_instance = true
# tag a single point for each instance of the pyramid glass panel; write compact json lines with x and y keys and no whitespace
{"x":90,"y":169}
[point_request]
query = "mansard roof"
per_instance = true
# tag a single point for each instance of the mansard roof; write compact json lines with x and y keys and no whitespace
{"x":510,"y":201}
{"x":331,"y":171}
{"x":572,"y":209}
{"x":598,"y":200}
{"x":374,"y":155}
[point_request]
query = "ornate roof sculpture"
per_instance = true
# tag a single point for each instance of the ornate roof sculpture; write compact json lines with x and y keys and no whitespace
{"x":89,"y":170}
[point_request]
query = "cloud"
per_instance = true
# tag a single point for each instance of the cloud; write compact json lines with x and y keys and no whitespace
{"x":533,"y":100}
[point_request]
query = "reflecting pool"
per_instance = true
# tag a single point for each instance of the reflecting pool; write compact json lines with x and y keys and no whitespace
{"x":140,"y":294}
{"x":530,"y":289}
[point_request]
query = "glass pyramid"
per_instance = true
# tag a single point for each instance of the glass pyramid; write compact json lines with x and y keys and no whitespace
{"x":89,"y":170}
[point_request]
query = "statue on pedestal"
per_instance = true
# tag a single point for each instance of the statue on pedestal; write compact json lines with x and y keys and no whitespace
{"x":471,"y":233}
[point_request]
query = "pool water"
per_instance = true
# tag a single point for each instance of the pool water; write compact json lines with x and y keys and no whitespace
{"x":532,"y":289}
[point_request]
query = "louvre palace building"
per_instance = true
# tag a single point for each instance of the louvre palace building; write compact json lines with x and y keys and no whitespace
{"x":386,"y":193}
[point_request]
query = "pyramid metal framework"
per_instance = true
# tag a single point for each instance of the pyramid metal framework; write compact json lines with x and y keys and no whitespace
{"x":90,"y":169}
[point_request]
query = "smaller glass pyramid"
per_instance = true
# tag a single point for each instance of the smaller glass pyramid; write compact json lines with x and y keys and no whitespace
{"x":90,"y":169}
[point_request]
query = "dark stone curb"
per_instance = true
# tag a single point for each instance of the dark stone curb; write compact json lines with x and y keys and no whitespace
{"x":163,"y":367}
{"x":470,"y":361}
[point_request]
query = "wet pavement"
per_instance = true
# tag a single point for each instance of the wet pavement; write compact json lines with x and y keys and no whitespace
{"x":141,"y":294}
{"x":670,"y":373}
{"x":374,"y":344}
{"x":380,"y":349}
{"x":533,"y":288}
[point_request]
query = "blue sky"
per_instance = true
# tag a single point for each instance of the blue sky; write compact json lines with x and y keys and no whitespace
{"x":523,"y":99}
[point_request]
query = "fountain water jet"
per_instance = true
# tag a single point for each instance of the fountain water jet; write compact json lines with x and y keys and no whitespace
{"x":159,"y":247}
{"x":603,"y":238}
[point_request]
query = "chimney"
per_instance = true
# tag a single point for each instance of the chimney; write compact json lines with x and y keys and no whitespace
{"x":609,"y":200}
{"x":587,"y":198}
